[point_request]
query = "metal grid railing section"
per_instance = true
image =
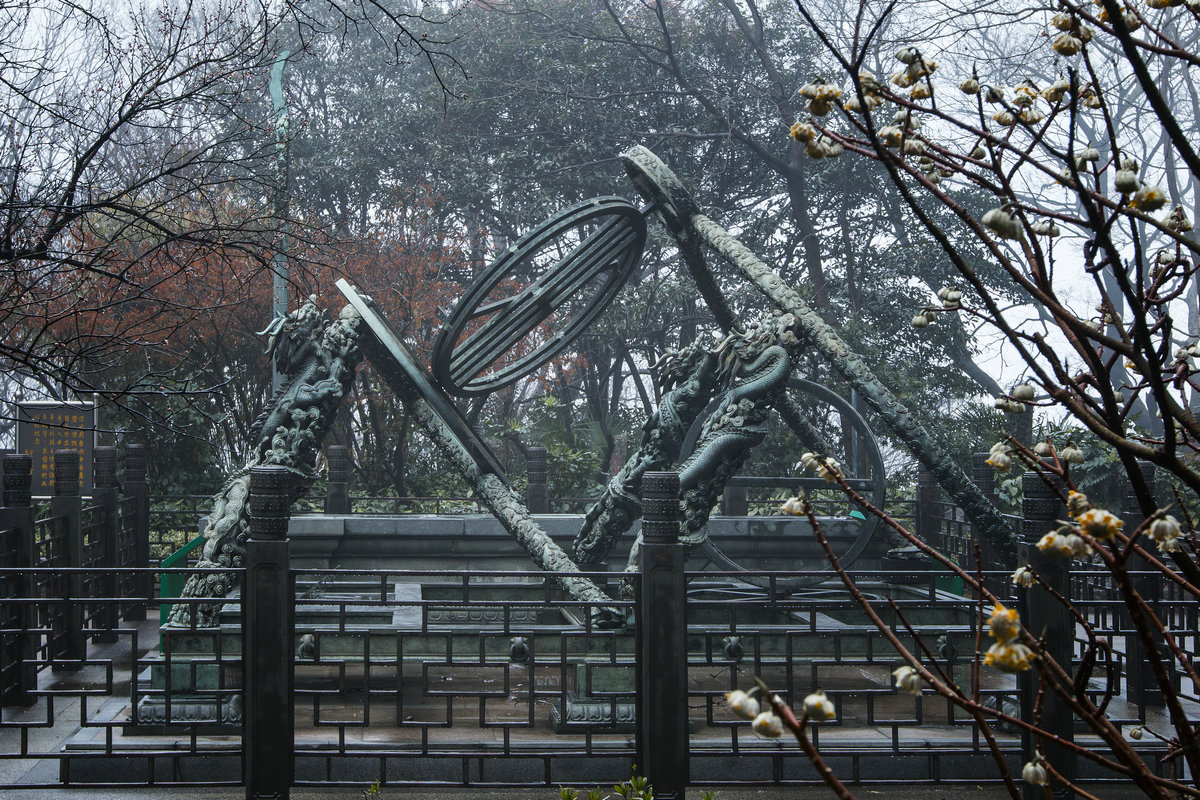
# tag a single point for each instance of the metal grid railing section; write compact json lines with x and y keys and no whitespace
{"x":72,"y":720}
{"x":51,"y":581}
{"x":174,"y":521}
{"x":127,"y":542}
{"x":457,"y":678}
{"x":952,"y":534}
{"x":821,"y":639}
{"x":13,"y":621}
{"x":95,"y":554}
{"x":1121,"y":662}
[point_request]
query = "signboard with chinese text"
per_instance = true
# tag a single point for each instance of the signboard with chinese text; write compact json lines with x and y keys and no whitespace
{"x":46,"y":426}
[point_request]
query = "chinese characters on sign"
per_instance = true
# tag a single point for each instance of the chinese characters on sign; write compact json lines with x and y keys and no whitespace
{"x":43,"y":427}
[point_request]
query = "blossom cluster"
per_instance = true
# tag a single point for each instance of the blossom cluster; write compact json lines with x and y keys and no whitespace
{"x":1007,"y":654}
{"x":824,"y":466}
{"x":1026,"y":105}
{"x":765,"y":722}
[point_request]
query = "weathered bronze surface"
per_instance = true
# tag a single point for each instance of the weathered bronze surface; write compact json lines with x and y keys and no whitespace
{"x":491,"y":340}
{"x":564,"y":273}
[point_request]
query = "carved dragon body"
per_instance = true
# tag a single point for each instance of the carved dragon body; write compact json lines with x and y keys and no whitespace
{"x":737,"y":426}
{"x":692,"y":371}
{"x":319,"y":357}
{"x":754,"y":368}
{"x":749,"y":369}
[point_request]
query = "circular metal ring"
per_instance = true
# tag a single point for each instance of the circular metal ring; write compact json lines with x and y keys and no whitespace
{"x":873,"y":488}
{"x":565,"y":271}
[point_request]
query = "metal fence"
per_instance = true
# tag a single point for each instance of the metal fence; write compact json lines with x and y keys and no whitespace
{"x":498,"y":678}
{"x":458,"y":678}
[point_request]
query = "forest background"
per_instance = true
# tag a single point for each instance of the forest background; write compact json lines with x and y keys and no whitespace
{"x":143,"y":172}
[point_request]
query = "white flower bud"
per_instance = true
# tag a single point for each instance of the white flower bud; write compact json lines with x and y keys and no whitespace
{"x":1126,"y":181}
{"x":908,"y":680}
{"x":818,"y":707}
{"x":1071,"y":454}
{"x":1035,"y":774}
{"x":1176,"y":220}
{"x":742,"y":704}
{"x":767,"y":725}
{"x":1024,"y":577}
{"x":1002,"y":223}
{"x":1166,"y":533}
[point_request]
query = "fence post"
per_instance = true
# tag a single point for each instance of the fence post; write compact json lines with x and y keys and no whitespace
{"x":104,"y":500}
{"x":137,"y":494}
{"x":985,"y":478}
{"x":1141,"y":688}
{"x":734,"y":501}
{"x":928,"y":517}
{"x":662,"y":720}
{"x":267,"y":639}
{"x":20,"y":650}
{"x":66,"y":508}
{"x":1044,"y":616}
{"x":337,"y":479}
{"x":537,"y":493}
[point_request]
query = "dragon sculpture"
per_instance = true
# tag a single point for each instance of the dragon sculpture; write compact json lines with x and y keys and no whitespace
{"x":319,"y":356}
{"x":746,"y":374}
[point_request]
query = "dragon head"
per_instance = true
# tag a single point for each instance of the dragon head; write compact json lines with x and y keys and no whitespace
{"x":294,"y":335}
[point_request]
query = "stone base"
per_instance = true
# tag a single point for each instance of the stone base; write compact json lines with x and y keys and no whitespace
{"x":576,"y":712}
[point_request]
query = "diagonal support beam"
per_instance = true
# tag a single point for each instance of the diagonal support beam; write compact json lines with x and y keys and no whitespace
{"x":451,"y":434}
{"x":679,"y":212}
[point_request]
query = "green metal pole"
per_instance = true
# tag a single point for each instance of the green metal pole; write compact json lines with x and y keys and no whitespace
{"x":279,"y":267}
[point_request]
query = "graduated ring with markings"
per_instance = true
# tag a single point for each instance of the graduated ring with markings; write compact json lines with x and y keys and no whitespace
{"x":541,"y":293}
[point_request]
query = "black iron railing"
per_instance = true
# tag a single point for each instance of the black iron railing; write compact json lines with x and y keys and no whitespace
{"x":497,"y":678}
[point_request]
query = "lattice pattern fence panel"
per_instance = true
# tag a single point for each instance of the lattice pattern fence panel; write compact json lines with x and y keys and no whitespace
{"x":457,"y":678}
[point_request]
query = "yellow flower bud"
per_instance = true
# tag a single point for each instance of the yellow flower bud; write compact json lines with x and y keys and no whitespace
{"x":1024,"y":577}
{"x":1009,"y":657}
{"x":1067,"y":44}
{"x":1148,"y":198}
